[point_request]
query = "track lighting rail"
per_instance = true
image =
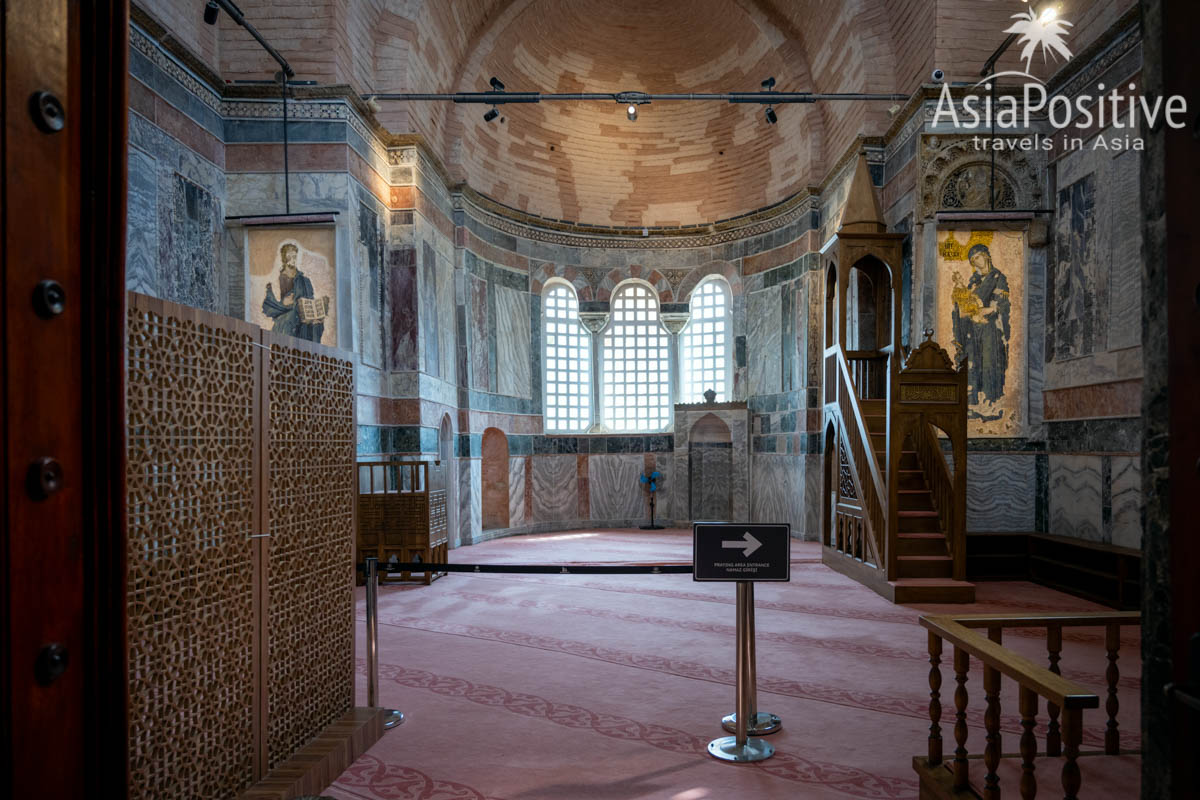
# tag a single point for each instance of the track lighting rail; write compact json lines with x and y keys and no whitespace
{"x":499,"y":98}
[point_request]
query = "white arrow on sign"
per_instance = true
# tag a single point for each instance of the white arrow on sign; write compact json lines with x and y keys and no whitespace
{"x":748,"y":544}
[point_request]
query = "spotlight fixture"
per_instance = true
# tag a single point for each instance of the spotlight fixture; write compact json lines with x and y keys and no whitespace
{"x":631,"y":112}
{"x":491,"y":115}
{"x":768,"y":84}
{"x":497,"y":86}
{"x":771,"y":118}
{"x":210,"y":12}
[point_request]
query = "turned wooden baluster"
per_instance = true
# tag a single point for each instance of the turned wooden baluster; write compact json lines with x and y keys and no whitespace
{"x":991,"y":723}
{"x":1054,"y":646}
{"x":962,"y":663}
{"x":1072,"y":728}
{"x":1112,"y":736}
{"x":1028,"y":705}
{"x":935,"y":700}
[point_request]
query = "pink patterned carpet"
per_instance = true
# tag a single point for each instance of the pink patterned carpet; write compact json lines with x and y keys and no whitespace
{"x":547,"y":687}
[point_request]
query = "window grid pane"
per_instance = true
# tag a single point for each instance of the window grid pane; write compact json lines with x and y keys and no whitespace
{"x":567,"y":359}
{"x":706,"y":345}
{"x":636,"y":370}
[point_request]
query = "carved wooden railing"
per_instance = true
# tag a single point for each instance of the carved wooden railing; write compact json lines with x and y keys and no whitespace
{"x":871,"y":490}
{"x":869,"y":373}
{"x":946,"y":502}
{"x":1065,"y":700}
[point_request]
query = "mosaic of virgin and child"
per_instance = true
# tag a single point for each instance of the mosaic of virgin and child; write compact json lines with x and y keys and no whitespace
{"x":981,"y":320}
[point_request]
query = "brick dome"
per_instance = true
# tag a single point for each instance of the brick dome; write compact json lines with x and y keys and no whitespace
{"x":680,"y":162}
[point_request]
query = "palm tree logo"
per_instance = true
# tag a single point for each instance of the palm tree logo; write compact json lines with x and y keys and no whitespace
{"x":1046,"y":31}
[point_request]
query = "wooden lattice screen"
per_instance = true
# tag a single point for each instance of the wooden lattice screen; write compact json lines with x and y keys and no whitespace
{"x":310,"y":452}
{"x":240,"y":645}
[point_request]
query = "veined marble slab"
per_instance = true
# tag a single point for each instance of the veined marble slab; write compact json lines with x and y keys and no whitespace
{"x":516,"y":492}
{"x":614,"y":489}
{"x":1076,"y":497}
{"x":555,"y":488}
{"x":762,"y":342}
{"x":1127,"y":501}
{"x":512,"y":342}
{"x":1000,"y":492}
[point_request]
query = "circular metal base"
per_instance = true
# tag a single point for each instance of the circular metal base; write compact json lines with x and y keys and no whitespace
{"x":392,"y":718}
{"x":762,"y":724}
{"x":726,"y":749}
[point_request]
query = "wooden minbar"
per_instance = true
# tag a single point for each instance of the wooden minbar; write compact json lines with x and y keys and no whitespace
{"x":402,"y":515}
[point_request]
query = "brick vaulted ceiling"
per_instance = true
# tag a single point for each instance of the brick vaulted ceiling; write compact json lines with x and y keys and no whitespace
{"x":680,"y":162}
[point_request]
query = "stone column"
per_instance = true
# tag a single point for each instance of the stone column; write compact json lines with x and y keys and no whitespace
{"x":674,"y":317}
{"x":593,"y":315}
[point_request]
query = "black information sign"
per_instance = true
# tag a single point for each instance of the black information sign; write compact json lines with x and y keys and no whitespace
{"x":725,"y":552}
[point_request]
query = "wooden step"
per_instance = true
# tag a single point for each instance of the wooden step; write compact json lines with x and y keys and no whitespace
{"x":920,"y":544}
{"x":911,"y":479}
{"x":876,"y":423}
{"x":931,"y":590}
{"x":872,"y":407}
{"x":925,"y":566}
{"x":915,"y":499}
{"x":919,"y":522}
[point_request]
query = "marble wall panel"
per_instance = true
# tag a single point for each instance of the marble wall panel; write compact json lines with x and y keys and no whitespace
{"x":477,"y":325}
{"x":1125,"y":282}
{"x":1076,"y":491}
{"x":428,"y":289}
{"x":402,"y":308}
{"x":1127,"y":501}
{"x":516,"y":492}
{"x":446,"y":318}
{"x":495,"y":475}
{"x":1080,"y":273}
{"x":141,"y":243}
{"x":513,"y":342}
{"x":615,"y":492}
{"x":813,"y":465}
{"x":777,"y":494}
{"x":555,"y":488}
{"x":764,"y":362}
{"x":368,"y":256}
{"x":470,"y":517}
{"x":1000,"y":489}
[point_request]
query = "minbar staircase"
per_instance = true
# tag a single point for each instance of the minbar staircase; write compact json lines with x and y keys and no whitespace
{"x":895,"y":509}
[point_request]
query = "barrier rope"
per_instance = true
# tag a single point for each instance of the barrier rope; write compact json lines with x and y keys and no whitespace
{"x":539,"y":569}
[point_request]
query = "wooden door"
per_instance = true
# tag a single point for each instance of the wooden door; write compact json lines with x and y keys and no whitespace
{"x":62,"y":678}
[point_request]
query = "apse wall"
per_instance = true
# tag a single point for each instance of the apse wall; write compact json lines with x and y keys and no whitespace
{"x":439,"y":297}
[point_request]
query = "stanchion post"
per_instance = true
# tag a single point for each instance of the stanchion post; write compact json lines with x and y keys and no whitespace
{"x":760,"y":723}
{"x":372,"y":632}
{"x":740,"y":747}
{"x":391,"y":718}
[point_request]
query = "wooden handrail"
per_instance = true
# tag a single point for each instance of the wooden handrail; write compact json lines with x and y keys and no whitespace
{"x":1054,"y":688}
{"x":871,"y":482}
{"x":1081,"y":619}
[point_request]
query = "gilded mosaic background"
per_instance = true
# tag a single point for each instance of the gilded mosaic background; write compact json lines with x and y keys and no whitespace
{"x":981,"y":313}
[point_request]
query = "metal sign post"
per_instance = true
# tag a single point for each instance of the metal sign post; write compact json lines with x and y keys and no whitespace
{"x":392,"y":718}
{"x":743,"y":553}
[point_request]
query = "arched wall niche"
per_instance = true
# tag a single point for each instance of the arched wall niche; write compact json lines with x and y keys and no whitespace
{"x":494,"y":468}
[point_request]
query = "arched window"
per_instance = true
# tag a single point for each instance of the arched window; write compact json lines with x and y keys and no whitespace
{"x":706,"y":340}
{"x":636,"y":393}
{"x":567,"y":360}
